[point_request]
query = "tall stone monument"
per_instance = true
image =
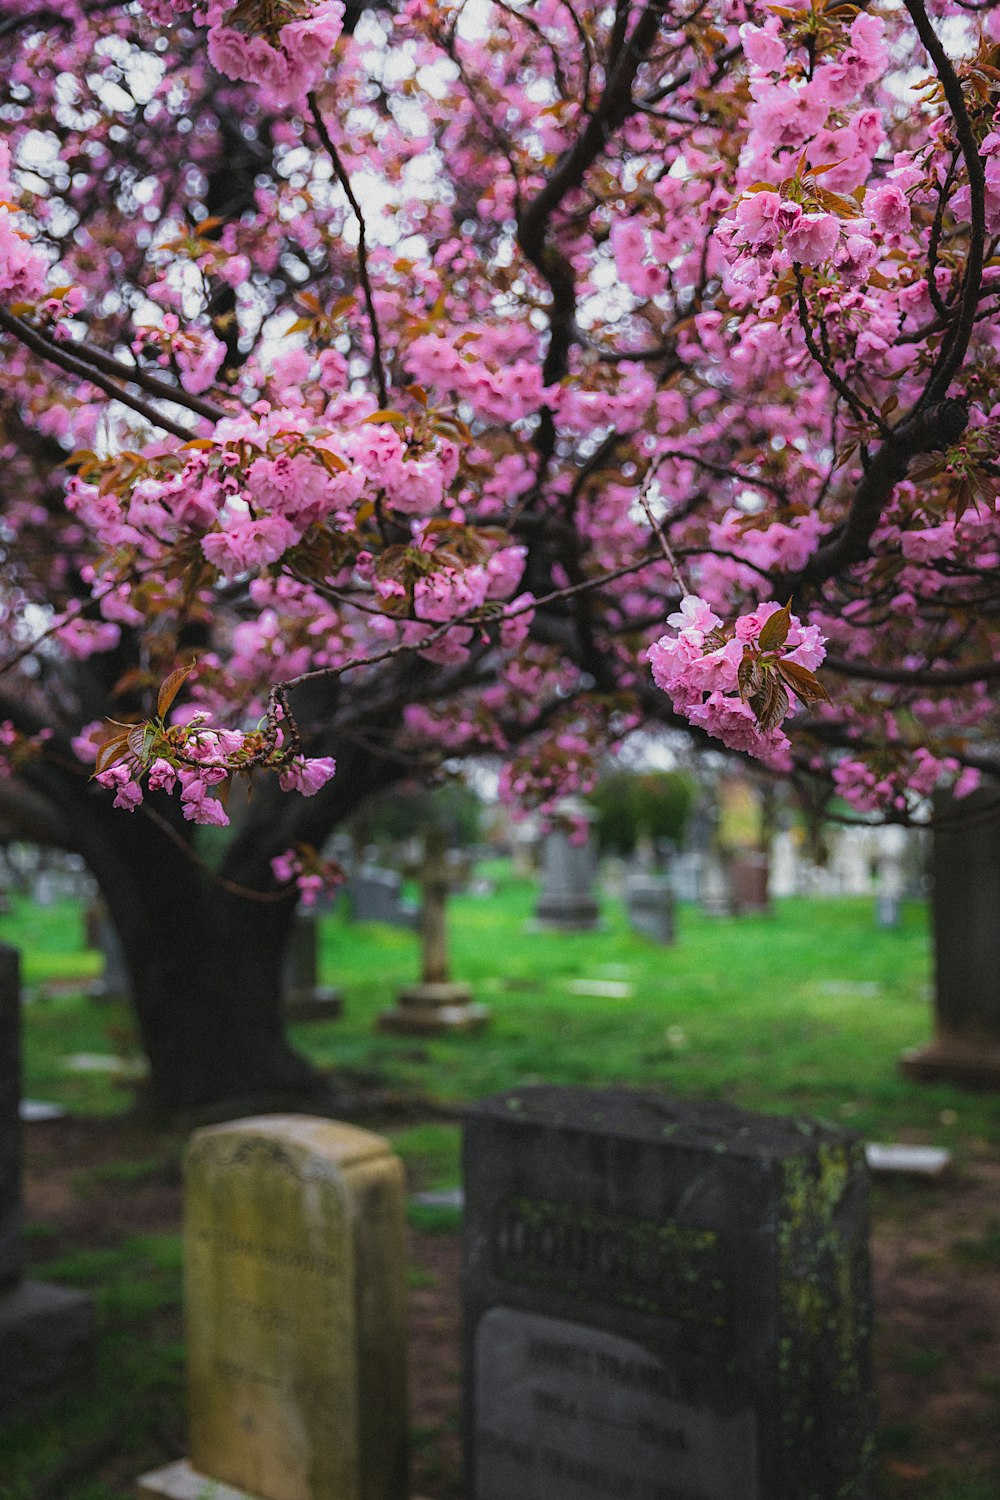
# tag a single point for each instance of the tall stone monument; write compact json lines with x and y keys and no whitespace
{"x":965,"y":910}
{"x":663,"y":1299}
{"x":46,"y":1332}
{"x":437,"y":1003}
{"x":294,"y":1304}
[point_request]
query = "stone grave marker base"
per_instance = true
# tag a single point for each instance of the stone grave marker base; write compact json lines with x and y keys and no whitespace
{"x":324,"y":1004}
{"x":180,"y":1482}
{"x":955,"y":1059}
{"x":422,"y":1009}
{"x":46,"y":1344}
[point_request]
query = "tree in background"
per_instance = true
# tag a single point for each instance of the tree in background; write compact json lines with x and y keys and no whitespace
{"x":637,"y":805}
{"x":389,"y":386}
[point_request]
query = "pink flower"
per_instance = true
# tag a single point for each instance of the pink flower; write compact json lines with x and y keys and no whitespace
{"x":762,"y":47}
{"x":967,"y":781}
{"x":228,"y":52}
{"x":285,"y":867}
{"x":249,"y":544}
{"x":890,"y":209}
{"x":813,"y":239}
{"x":128,"y":792}
{"x":307,"y":776}
{"x":22,"y":267}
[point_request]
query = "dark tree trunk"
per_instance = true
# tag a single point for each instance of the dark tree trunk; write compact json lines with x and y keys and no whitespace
{"x":206,"y":962}
{"x":207,"y":989}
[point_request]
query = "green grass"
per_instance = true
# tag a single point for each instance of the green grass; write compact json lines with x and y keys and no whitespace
{"x":138,"y":1376}
{"x":805,"y":1010}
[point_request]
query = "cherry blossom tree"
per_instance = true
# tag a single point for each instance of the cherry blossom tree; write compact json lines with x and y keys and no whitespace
{"x":397,"y":384}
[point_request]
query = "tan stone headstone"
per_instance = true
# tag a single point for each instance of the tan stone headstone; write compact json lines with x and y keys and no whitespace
{"x":295,"y":1304}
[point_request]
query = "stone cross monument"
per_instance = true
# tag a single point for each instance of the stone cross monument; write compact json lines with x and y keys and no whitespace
{"x":437,"y":1003}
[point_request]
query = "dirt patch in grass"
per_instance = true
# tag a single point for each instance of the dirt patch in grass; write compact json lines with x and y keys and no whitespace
{"x":93,"y":1184}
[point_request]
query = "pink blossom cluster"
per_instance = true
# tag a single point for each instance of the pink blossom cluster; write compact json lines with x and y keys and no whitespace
{"x":563,"y":766}
{"x":196,"y":352}
{"x":312,"y":876}
{"x":23,"y":267}
{"x":287,"y":63}
{"x":790,"y":132}
{"x":698,"y":668}
{"x":194,"y":760}
{"x":901,"y":787}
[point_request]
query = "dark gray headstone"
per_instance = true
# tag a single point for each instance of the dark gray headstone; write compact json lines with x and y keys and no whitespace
{"x":566,"y":900}
{"x":376,"y":896}
{"x":965,"y":863}
{"x":46,"y":1332}
{"x":304,"y":998}
{"x":663,"y":1301}
{"x":10,"y":1123}
{"x":649,"y":902}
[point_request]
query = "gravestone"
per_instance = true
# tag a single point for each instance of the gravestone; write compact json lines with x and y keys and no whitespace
{"x":375,"y":895}
{"x":437,"y":1003}
{"x":716,"y":890}
{"x":46,"y":1332}
{"x":566,"y":901}
{"x":890,"y":878}
{"x":965,"y":902}
{"x":649,"y":902}
{"x":686,"y":875}
{"x":294,"y":1285}
{"x":748,"y":881}
{"x":101,"y":933}
{"x":786,"y":873}
{"x":304,"y":999}
{"x":663,"y":1300}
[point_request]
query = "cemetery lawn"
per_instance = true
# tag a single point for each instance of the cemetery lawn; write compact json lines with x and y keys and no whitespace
{"x":804,"y":1011}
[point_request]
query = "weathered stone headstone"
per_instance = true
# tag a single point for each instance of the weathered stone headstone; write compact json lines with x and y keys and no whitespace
{"x":566,"y":900}
{"x":686,"y":875}
{"x":663,"y":1299}
{"x":649,"y":902}
{"x":305,"y":999}
{"x":437,"y":1003}
{"x":786,"y":873}
{"x":46,"y":1332}
{"x":294,"y":1306}
{"x":716,"y":889}
{"x":965,"y":904}
{"x":890,"y":877}
{"x":748,"y":881}
{"x":376,"y":895}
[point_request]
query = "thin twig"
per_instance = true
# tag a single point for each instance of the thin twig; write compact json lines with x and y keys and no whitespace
{"x":665,"y":547}
{"x":956,"y":342}
{"x":343,"y":178}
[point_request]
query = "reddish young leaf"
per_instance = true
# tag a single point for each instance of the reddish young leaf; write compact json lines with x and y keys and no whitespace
{"x":170,"y":687}
{"x":803,"y":683}
{"x":774,"y":631}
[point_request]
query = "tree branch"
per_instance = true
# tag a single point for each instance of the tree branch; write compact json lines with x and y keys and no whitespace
{"x":378,"y":369}
{"x":58,"y":354}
